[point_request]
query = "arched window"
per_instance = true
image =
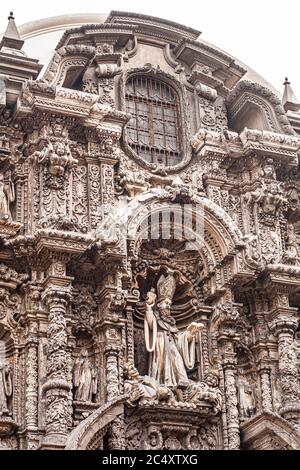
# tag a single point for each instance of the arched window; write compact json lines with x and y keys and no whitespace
{"x":153,"y":131}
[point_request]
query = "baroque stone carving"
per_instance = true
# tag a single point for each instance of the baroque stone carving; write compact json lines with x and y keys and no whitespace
{"x":6,"y":388}
{"x":145,"y":306}
{"x":84,"y":378}
{"x":169,"y":356}
{"x":7,"y":196}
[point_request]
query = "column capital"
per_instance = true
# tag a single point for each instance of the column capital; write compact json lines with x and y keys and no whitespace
{"x":57,"y":294}
{"x":229,"y":362}
{"x":112,"y":350}
{"x":284,"y":324}
{"x":264,"y":367}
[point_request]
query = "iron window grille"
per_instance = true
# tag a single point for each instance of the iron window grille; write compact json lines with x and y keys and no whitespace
{"x":153,"y":130}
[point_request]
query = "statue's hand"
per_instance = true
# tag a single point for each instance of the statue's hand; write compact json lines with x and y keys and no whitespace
{"x":151,"y":298}
{"x":194,"y":328}
{"x":137,"y":393}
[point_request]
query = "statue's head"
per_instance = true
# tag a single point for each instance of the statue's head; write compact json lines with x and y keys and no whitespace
{"x":108,"y":144}
{"x":166,"y":286}
{"x":131,"y":371}
{"x":165,"y":307}
{"x":58,"y":128}
{"x":269,"y":168}
{"x":212,"y":378}
{"x":60,"y":148}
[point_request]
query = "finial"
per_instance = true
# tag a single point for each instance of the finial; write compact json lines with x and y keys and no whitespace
{"x":289,"y":100}
{"x":11,"y":38}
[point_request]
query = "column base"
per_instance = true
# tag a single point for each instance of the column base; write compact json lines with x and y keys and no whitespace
{"x":53,"y":442}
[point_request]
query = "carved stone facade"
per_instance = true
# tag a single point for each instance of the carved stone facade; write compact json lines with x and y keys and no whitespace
{"x":146,"y":305}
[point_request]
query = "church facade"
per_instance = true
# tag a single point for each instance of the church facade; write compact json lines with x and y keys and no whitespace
{"x":149,"y":245}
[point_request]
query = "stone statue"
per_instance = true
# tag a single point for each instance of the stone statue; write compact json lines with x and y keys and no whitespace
{"x":268,"y":170}
{"x":172,"y":353}
{"x":6,"y":389}
{"x":208,"y":391}
{"x":246,"y":399}
{"x":84,"y":378}
{"x":291,"y":254}
{"x":137,"y":386}
{"x":7,"y":196}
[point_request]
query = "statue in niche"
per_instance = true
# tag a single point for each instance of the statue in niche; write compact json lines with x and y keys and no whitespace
{"x":6,"y":389}
{"x":171,"y":353}
{"x":7,"y":196}
{"x":84,"y":378}
{"x":291,"y":254}
{"x":246,"y":399}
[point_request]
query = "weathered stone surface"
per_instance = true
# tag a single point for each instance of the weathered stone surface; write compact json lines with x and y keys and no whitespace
{"x":149,"y":246}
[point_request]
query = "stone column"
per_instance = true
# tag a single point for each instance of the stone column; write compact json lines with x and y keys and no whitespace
{"x":31,"y":359}
{"x":59,"y":375}
{"x":117,"y":434}
{"x":112,"y":372}
{"x":31,"y":396}
{"x":110,"y":328}
{"x":232,"y":413}
{"x":265,"y":385}
{"x":284,"y":327}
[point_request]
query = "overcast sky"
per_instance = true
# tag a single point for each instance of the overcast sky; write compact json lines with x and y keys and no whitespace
{"x":263,"y":34}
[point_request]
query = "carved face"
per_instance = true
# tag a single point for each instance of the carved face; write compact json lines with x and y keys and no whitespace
{"x":165,"y":307}
{"x":6,"y":113}
{"x":132,"y":372}
{"x":109,"y":145}
{"x":269,"y":170}
{"x":153,"y":439}
{"x":60,"y":148}
{"x":212,"y":380}
{"x":58,"y":129}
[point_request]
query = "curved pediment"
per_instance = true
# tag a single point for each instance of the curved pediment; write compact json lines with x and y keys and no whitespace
{"x":256,"y":107}
{"x":268,"y":431}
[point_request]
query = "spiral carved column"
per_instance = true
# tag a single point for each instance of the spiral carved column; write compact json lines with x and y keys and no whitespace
{"x":58,"y":384}
{"x":229,"y":366}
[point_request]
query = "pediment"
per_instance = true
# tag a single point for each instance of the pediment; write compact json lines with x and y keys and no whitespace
{"x":268,"y":431}
{"x":253,"y":106}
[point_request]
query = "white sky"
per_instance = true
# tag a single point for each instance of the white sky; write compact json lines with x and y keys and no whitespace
{"x":263,"y":34}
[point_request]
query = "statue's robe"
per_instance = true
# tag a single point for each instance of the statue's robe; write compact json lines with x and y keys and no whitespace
{"x":7,"y":195}
{"x":5,"y":389}
{"x":170,"y":352}
{"x":83,"y":380}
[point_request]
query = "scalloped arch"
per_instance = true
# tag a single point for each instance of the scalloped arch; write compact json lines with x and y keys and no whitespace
{"x":221,"y":235}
